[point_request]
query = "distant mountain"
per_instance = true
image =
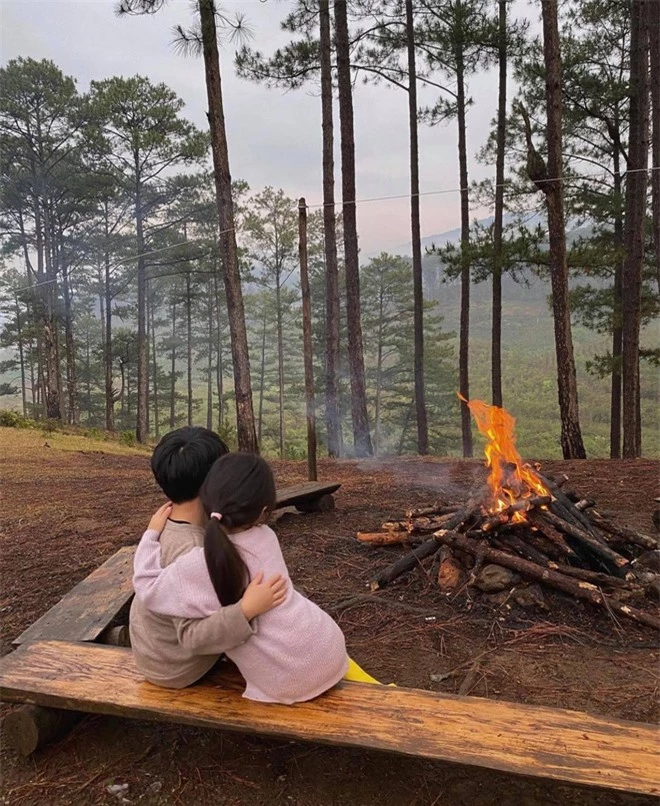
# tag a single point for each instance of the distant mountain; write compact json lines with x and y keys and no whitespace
{"x":441,"y":239}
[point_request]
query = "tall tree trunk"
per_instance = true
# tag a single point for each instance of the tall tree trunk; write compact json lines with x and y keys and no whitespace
{"x":21,"y":358}
{"x":142,"y":423}
{"x":154,"y":365}
{"x":88,"y":362}
{"x":189,"y":355}
{"x":615,"y":384}
{"x":70,"y":350}
{"x":247,"y":438}
{"x":571,"y":436}
{"x":636,"y":184}
{"x":308,"y":357}
{"x":361,"y":435}
{"x":220,"y":351}
{"x":498,"y":223}
{"x":654,"y":41}
{"x":418,"y":290}
{"x":332,"y":415}
{"x":107,"y":345}
{"x":48,"y":292}
{"x":209,"y":364}
{"x":280,"y":360}
{"x":464,"y":326}
{"x":262,"y":374}
{"x":173,"y":366}
{"x":379,"y":366}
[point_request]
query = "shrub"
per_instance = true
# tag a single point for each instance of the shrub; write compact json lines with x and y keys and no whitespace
{"x":128,"y":438}
{"x":12,"y":419}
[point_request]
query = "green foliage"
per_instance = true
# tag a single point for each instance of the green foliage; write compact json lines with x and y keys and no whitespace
{"x":12,"y":419}
{"x":127,"y":438}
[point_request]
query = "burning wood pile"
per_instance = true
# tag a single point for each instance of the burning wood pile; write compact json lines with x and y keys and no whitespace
{"x":531,"y":525}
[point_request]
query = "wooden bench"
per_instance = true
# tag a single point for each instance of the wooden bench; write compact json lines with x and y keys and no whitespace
{"x":543,"y":742}
{"x":89,"y":608}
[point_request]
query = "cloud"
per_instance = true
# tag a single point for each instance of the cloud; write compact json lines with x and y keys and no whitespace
{"x":274,"y":137}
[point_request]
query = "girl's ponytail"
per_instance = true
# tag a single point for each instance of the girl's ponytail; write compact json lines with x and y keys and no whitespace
{"x":236,"y":492}
{"x":229,"y":574}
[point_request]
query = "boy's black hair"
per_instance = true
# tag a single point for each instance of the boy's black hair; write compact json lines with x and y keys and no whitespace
{"x":182,"y":459}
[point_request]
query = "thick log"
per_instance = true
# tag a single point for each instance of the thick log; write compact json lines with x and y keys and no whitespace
{"x":595,"y":577}
{"x":449,"y":571}
{"x":385,"y":538}
{"x":554,"y":579}
{"x":624,"y":533}
{"x":586,"y":539}
{"x":30,"y":727}
{"x":116,"y":636}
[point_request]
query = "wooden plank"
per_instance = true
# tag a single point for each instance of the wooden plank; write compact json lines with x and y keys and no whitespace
{"x":87,"y":610}
{"x":542,"y":742}
{"x":289,"y":496}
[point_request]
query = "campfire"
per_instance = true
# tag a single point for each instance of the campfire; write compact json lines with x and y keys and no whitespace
{"x":525,"y":525}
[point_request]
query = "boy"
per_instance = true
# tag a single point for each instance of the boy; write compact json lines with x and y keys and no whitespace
{"x":175,"y":652}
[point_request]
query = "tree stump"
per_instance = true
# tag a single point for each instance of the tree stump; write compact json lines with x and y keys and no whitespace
{"x":30,"y":727}
{"x":324,"y":503}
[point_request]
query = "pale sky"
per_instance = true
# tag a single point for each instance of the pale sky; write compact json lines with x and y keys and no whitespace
{"x":274,"y":137}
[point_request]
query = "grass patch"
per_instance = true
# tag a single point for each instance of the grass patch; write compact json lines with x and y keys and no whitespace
{"x":15,"y":442}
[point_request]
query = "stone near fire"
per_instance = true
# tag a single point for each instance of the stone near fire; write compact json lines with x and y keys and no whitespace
{"x":653,"y":589}
{"x":650,"y":561}
{"x":493,"y":578}
{"x":530,"y":596}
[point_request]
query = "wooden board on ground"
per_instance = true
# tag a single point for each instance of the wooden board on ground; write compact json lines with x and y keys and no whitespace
{"x":304,"y":496}
{"x":87,"y":610}
{"x":542,"y":742}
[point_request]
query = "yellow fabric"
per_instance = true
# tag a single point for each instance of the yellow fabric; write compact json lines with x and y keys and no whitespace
{"x":358,"y":675}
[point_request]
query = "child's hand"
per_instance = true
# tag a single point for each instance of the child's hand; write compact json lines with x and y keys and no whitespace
{"x":260,"y":596}
{"x":159,"y":518}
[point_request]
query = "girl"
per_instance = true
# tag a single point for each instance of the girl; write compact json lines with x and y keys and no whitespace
{"x":298,"y":651}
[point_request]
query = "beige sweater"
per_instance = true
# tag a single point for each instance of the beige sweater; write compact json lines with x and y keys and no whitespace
{"x":175,"y":652}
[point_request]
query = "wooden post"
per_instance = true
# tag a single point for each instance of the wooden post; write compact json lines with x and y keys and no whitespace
{"x":307,"y":341}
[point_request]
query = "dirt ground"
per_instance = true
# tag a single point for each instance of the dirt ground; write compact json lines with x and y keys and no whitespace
{"x":65,"y":511}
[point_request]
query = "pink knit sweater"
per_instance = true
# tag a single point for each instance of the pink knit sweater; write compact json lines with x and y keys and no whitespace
{"x":298,"y":651}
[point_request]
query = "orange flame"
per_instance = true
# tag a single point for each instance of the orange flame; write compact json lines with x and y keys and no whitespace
{"x":510,"y":480}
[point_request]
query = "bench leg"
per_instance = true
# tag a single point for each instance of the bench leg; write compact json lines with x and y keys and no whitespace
{"x":116,"y":636}
{"x":30,"y":727}
{"x":324,"y":503}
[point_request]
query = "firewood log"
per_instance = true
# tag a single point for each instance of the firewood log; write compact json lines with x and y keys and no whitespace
{"x":386,"y":538}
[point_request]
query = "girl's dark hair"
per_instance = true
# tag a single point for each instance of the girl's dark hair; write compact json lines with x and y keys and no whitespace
{"x":239,"y":486}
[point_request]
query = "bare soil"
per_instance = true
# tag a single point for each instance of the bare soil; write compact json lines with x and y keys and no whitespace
{"x":65,"y":512}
